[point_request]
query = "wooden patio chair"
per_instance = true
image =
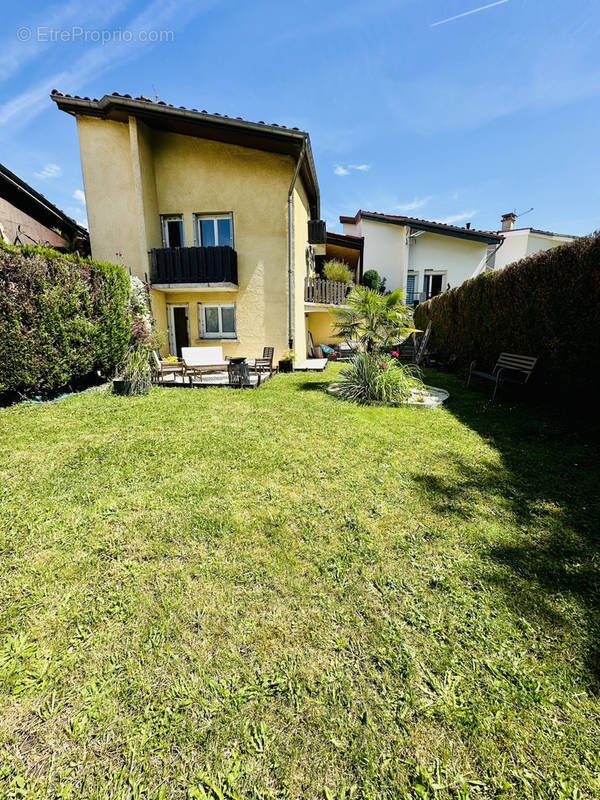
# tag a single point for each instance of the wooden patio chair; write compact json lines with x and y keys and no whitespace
{"x":264,"y":364}
{"x":163,"y":369}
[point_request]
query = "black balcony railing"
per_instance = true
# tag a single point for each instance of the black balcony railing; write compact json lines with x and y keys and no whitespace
{"x":193,"y":265}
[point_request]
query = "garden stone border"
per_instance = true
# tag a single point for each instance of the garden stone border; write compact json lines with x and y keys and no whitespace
{"x":432,"y":396}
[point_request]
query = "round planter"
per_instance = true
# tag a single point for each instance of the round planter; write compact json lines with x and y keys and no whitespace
{"x":429,"y":396}
{"x":286,"y":366}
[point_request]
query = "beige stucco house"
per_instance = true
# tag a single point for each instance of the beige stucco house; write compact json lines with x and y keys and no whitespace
{"x":219,"y":216}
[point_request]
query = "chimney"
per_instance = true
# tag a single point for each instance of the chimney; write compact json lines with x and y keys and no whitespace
{"x":468,"y":226}
{"x":508,"y":221}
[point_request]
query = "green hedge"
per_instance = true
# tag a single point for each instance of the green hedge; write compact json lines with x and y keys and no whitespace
{"x":61,"y":318}
{"x":546,"y":305}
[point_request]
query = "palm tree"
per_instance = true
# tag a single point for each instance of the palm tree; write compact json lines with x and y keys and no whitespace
{"x":376,"y":321}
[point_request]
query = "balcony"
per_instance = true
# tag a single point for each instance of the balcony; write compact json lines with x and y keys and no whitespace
{"x":193,"y":266}
{"x":320,"y":290}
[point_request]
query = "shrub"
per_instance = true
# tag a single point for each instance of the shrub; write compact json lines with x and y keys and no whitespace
{"x":375,"y":377}
{"x":136,"y":370}
{"x":61,"y":318}
{"x":545,"y":305}
{"x":374,"y":320}
{"x":372,"y":280}
{"x":338,"y":271}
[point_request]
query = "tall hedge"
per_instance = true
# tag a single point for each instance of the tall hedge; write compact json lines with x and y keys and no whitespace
{"x":61,"y":318}
{"x":546,"y":305}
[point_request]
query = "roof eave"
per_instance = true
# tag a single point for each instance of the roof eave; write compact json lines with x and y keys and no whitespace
{"x":270,"y":138}
{"x":425,"y":225}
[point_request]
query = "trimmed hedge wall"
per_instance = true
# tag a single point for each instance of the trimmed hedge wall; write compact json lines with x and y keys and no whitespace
{"x":546,"y":305}
{"x":61,"y":318}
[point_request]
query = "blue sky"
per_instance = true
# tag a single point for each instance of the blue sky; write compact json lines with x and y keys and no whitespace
{"x":462,"y":121}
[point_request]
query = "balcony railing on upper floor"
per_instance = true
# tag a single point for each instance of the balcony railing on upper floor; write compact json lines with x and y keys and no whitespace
{"x":190,"y":265}
{"x":320,"y":290}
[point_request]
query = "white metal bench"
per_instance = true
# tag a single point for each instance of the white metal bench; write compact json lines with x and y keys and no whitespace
{"x":510,"y":368}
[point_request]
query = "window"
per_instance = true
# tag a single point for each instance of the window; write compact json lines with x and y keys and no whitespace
{"x":411,"y":285}
{"x":172,"y":230}
{"x":217,"y":321}
{"x":433,"y":284}
{"x":214,"y":230}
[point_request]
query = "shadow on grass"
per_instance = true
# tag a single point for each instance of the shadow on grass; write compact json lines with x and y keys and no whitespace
{"x":549,"y":482}
{"x":313,"y":386}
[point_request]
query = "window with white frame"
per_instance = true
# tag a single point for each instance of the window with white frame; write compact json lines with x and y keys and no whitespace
{"x":411,"y":287}
{"x":172,"y":230}
{"x":217,"y":321}
{"x":213,"y":230}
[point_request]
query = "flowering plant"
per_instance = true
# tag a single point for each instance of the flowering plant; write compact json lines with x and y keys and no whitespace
{"x":383,"y":379}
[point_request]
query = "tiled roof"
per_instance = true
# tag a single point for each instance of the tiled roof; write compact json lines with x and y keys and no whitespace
{"x":416,"y":222}
{"x":55,"y":94}
{"x":192,"y":122}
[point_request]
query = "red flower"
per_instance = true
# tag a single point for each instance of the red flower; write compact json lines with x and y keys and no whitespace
{"x":394,"y":354}
{"x":383,"y":365}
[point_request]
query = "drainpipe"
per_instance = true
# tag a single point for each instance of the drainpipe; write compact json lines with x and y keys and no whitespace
{"x":493,"y":254}
{"x":291,"y":247}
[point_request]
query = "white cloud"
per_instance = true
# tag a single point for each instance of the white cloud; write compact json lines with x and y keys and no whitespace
{"x":49,"y":171}
{"x":340,"y":169}
{"x":453,"y":218}
{"x":416,"y":202}
{"x":78,"y":194}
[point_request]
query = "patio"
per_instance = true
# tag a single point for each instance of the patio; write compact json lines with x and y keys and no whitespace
{"x":213,"y":379}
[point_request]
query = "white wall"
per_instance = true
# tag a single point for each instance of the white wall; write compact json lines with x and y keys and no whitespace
{"x":459,"y":259}
{"x":524,"y":242}
{"x":387,"y":251}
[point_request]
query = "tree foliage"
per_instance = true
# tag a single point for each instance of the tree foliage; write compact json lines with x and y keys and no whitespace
{"x":375,"y":321}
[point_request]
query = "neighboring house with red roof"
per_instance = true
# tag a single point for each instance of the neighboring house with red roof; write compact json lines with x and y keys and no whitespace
{"x":421,"y":257}
{"x":27,"y":217}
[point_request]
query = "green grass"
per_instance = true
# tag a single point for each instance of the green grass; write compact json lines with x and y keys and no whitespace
{"x":277,"y":594}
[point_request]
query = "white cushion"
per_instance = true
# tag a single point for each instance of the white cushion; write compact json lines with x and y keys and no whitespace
{"x":200,"y":356}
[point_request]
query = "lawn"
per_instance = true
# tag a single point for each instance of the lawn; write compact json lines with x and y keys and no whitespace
{"x":219,"y":594}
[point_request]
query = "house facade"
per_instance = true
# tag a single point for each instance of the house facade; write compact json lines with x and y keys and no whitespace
{"x":219,"y":216}
{"x":421,"y":257}
{"x":522,"y":242}
{"x":27,"y":217}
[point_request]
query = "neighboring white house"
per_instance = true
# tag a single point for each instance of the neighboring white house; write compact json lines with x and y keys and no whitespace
{"x":521,"y":242}
{"x":421,"y":257}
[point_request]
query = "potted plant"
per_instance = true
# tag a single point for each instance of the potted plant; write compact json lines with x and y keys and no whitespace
{"x":339,"y":271}
{"x":135,"y":374}
{"x":286,"y":362}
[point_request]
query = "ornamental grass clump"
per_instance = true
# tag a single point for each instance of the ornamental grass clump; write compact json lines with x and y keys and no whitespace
{"x":336,"y":270}
{"x":377,"y":378}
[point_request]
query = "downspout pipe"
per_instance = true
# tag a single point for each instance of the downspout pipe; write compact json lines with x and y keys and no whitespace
{"x":493,"y":254}
{"x":291,"y":246}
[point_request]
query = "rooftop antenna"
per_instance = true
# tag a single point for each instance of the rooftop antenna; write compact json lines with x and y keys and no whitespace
{"x":522,"y":214}
{"x":155,"y":93}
